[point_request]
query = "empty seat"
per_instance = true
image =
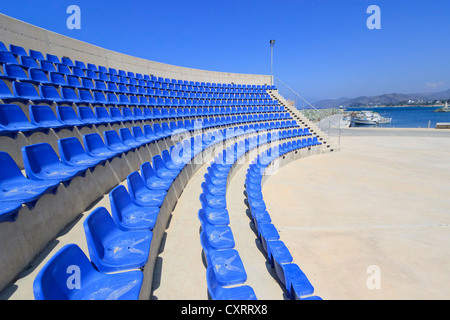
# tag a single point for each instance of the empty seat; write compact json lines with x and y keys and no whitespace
{"x":152,"y":180}
{"x":13,"y":120}
{"x":14,"y":186}
{"x":88,"y":117}
{"x":26,"y":92}
{"x":226,"y":264}
{"x":52,"y":281}
{"x":44,"y":117}
{"x":219,"y":292}
{"x":42,"y":163}
{"x":112,"y":249}
{"x":128,"y":215}
{"x":72,"y":153}
{"x":5,"y":93}
{"x":95,"y":147}
{"x":113,"y":142}
{"x":141,"y":194}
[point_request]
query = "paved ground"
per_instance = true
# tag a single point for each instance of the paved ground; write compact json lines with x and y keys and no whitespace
{"x":379,"y":207}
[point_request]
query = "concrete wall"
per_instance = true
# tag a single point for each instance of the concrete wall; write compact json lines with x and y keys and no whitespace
{"x":13,"y":31}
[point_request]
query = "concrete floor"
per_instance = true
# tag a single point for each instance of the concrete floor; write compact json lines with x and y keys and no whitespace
{"x":371,"y":221}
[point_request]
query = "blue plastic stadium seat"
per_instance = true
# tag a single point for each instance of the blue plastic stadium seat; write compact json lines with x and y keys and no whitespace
{"x":215,"y":216}
{"x":52,"y":281}
{"x":69,"y":96}
{"x":87,"y":116}
{"x":227,"y":265}
{"x":42,"y":163}
{"x":140,"y":136}
{"x":8,"y":57}
{"x":3,"y":47}
{"x":72,"y":153}
{"x":15,"y":72}
{"x":114,"y":142}
{"x":67,"y":115}
{"x":103,"y":115}
{"x":26,"y":92}
{"x":153,"y":181}
{"x":141,"y":194}
{"x":95,"y":147}
{"x":36,"y":55}
{"x":128,"y":139}
{"x":218,"y":292}
{"x":161,"y":170}
{"x":13,"y":120}
{"x":86,"y":96}
{"x":112,"y":249}
{"x":128,"y":215}
{"x":44,"y":117}
{"x":52,"y":58}
{"x":219,"y":236}
{"x":5,"y":93}
{"x":38,"y":75}
{"x":14,"y":187}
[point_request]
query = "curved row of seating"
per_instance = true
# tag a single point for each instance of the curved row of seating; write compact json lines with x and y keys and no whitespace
{"x":295,"y":282}
{"x":61,"y":91}
{"x":42,"y":117}
{"x":224,"y":265}
{"x":51,"y":63}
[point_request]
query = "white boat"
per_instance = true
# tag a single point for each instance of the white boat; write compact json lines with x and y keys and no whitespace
{"x":369,"y":118}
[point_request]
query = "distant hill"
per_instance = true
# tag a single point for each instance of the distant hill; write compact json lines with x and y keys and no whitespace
{"x":384,"y":99}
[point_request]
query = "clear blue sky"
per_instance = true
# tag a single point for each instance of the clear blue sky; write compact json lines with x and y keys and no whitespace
{"x":323,"y":48}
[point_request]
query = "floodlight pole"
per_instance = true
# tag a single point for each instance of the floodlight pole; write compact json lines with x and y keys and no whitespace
{"x":272,"y":43}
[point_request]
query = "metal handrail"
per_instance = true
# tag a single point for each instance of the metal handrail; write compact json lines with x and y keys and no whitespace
{"x":340,"y":130}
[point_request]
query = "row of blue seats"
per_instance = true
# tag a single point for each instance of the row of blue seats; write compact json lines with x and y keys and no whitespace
{"x":27,"y":92}
{"x":224,"y":266}
{"x":42,"y":118}
{"x":296,"y":283}
{"x":61,"y":76}
{"x":216,"y":236}
{"x":10,"y":56}
{"x":120,"y":241}
{"x":37,"y":76}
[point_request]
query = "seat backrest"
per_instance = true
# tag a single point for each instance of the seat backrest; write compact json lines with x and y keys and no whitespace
{"x":119,"y":198}
{"x":38,"y":75}
{"x":37,"y":157}
{"x":36,"y":55}
{"x":93,"y":141}
{"x":49,"y":92}
{"x":97,"y":226}
{"x":51,"y":281}
{"x":12,"y":114}
{"x":7,"y":57}
{"x":112,"y":138}
{"x":16,"y":71}
{"x":8,"y":168}
{"x":42,"y":113}
{"x":65,"y":113}
{"x":25,"y":90}
{"x":86,"y":114}
{"x":102,"y":113}
{"x":69,"y":148}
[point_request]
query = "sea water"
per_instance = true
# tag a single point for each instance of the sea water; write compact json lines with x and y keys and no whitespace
{"x":409,"y":117}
